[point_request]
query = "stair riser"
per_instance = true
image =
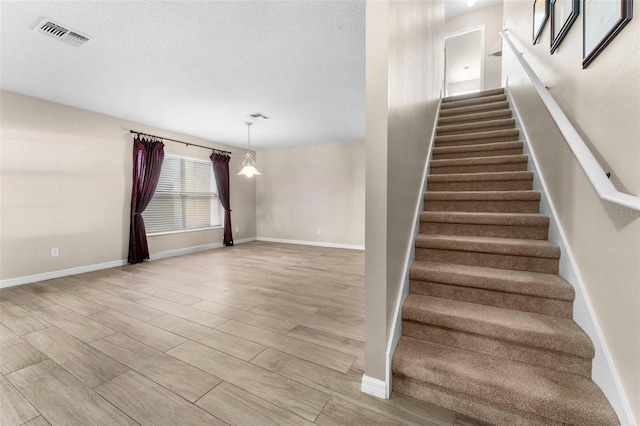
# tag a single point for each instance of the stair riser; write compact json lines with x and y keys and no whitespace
{"x":466,"y":404}
{"x":500,"y":348}
{"x":485,"y":230}
{"x":474,"y":118}
{"x":445,"y":143}
{"x":492,"y":185}
{"x":490,"y":260}
{"x":474,"y":109}
{"x":473,"y":101}
{"x":476,"y":95}
{"x":482,"y":206}
{"x":473,"y":129}
{"x":475,"y":154}
{"x":521,"y":302}
{"x":479,"y":168}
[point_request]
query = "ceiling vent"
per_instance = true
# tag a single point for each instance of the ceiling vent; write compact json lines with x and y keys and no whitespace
{"x":60,"y":33}
{"x":258,"y":116}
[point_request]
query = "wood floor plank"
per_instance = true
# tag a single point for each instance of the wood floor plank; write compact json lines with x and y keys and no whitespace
{"x":301,"y":400}
{"x":330,"y":358}
{"x":306,"y":306}
{"x":150,"y":404}
{"x":104,"y":285}
{"x":185,"y":312}
{"x":24,"y":299}
{"x":64,"y":400}
{"x":38,"y":421}
{"x":127,"y":307}
{"x":328,"y":340}
{"x":74,"y":324}
{"x":14,"y":408}
{"x":339,"y":413}
{"x":227,"y":343}
{"x":141,"y":331}
{"x":175,"y":375}
{"x":18,"y":320}
{"x":174,"y":296}
{"x":87,"y":364}
{"x":238,"y":407}
{"x":7,"y":337}
{"x":247,"y":317}
{"x":221,"y":298}
{"x":74,"y":303}
{"x":18,"y":356}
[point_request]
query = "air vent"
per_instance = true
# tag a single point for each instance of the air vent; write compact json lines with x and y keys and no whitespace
{"x":60,"y":33}
{"x":258,"y":116}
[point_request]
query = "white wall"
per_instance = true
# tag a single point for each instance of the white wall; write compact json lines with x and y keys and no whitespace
{"x":310,"y":188}
{"x":404,"y":70}
{"x":603,"y":103}
{"x":491,"y":17}
{"x":66,"y":183}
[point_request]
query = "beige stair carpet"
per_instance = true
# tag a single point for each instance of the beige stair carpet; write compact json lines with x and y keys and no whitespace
{"x":487,"y":326}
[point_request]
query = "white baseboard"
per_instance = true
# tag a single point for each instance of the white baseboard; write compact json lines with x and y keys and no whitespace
{"x":312,"y":243}
{"x":375,"y":387}
{"x":603,"y":370}
{"x":61,"y":273}
{"x":113,"y":264}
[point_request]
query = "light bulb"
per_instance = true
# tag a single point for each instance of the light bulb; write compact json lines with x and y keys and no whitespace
{"x":471,"y":2}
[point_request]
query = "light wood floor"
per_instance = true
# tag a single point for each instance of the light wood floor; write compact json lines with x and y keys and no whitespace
{"x":256,"y":334}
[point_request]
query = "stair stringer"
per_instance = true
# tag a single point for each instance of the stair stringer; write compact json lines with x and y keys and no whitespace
{"x":603,"y":370}
{"x":373,"y":386}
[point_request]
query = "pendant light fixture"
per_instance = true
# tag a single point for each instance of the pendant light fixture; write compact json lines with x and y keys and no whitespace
{"x":248,"y":164}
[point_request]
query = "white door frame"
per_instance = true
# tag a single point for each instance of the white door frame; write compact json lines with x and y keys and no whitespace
{"x":464,"y":31}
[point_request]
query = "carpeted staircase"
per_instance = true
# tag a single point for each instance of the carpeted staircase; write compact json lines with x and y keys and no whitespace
{"x":487,"y":326}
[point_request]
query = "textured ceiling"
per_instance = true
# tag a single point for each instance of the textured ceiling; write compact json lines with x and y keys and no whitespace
{"x":199,"y":67}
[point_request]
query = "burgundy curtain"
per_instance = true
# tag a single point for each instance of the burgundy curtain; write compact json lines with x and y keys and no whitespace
{"x":147,"y":163}
{"x":221,"y":170}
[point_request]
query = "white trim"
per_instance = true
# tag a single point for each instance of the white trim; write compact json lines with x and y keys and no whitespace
{"x":403,"y":291}
{"x":596,"y":175}
{"x":603,"y":370}
{"x":311,"y":243}
{"x":60,"y":273}
{"x":106,"y":265}
{"x":375,"y":387}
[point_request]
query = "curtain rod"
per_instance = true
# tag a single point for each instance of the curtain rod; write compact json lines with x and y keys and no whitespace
{"x":186,"y":143}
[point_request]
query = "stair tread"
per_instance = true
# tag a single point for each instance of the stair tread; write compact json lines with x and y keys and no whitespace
{"x":498,"y":159}
{"x":474,"y":108}
{"x":477,"y":135}
{"x":481,"y":176}
{"x":477,"y":147}
{"x":486,"y":218}
{"x":482,"y":195}
{"x":474,"y":95}
{"x":501,"y":122}
{"x":474,"y":117}
{"x":526,"y":328}
{"x":473,"y":101}
{"x":560,"y":397}
{"x":504,"y":280}
{"x":496,"y":245}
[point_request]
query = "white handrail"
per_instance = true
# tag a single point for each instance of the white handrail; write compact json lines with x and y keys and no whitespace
{"x":597,"y":176}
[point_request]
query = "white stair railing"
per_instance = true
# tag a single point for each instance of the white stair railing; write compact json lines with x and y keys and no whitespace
{"x":596,"y":175}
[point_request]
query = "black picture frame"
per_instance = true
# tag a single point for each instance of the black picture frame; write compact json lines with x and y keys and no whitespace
{"x":601,"y":24}
{"x":540,"y":17}
{"x":561,"y":20}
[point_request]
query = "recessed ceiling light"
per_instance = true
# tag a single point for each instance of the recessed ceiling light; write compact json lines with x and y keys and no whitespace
{"x":471,"y":2}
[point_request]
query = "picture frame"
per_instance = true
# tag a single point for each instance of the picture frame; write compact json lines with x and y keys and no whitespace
{"x":540,"y":17}
{"x":602,"y":21}
{"x":563,"y":14}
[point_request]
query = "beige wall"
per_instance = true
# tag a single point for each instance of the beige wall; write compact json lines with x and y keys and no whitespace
{"x":603,"y":102}
{"x":404,"y":69}
{"x":66,"y":183}
{"x":310,"y":188}
{"x":491,"y":17}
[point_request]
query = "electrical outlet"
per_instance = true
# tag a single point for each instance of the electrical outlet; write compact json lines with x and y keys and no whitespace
{"x":319,"y":231}
{"x":55,"y":252}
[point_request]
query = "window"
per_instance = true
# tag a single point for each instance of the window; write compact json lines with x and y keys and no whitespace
{"x":186,"y":197}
